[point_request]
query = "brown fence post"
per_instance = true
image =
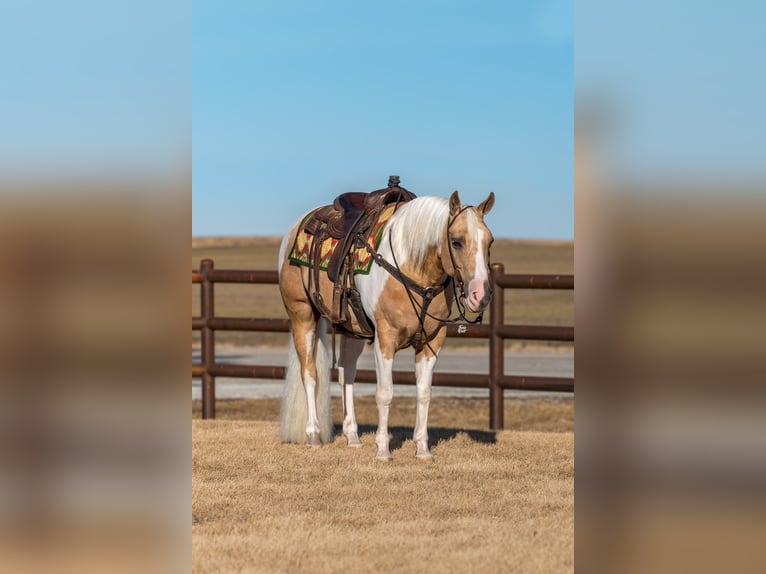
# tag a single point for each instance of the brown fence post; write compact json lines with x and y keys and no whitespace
{"x":496,"y":350}
{"x":207,"y":311}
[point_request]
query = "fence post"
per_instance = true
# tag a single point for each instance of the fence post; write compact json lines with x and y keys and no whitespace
{"x":207,"y":312}
{"x":496,"y":350}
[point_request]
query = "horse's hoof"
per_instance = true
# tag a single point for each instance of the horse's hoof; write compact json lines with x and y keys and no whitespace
{"x":352,"y":441}
{"x":425,"y":457}
{"x":384,"y":457}
{"x":313,"y":440}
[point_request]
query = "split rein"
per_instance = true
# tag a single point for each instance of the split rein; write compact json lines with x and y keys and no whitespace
{"x":428,"y":293}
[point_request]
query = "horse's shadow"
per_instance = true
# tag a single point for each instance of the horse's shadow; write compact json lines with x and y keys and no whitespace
{"x":436,"y":435}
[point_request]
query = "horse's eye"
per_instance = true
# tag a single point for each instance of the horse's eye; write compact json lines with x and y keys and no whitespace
{"x":457,"y":244}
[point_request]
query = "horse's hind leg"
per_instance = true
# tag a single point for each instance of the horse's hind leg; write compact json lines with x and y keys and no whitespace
{"x":350,"y":349}
{"x":304,"y":336}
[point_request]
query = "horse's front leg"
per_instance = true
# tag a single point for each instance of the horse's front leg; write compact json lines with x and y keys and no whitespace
{"x":384,"y":362}
{"x":425,"y":360}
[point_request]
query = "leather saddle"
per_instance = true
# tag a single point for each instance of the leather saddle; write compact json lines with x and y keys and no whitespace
{"x":350,"y":217}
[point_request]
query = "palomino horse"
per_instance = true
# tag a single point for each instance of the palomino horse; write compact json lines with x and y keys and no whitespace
{"x":430,"y":247}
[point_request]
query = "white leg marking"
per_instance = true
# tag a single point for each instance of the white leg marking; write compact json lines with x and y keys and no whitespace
{"x":342,"y":383}
{"x":312,"y":422}
{"x":350,"y":349}
{"x":310,"y":384}
{"x":383,"y":396}
{"x":424,"y":370}
{"x":350,"y":429}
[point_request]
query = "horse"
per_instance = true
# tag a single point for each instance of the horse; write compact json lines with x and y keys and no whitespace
{"x":432,"y":252}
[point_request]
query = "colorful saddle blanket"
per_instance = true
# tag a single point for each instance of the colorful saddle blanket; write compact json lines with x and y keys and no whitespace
{"x":301,"y":253}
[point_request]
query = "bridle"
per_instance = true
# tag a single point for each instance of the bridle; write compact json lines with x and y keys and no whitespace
{"x":459,"y":278}
{"x":429,"y":293}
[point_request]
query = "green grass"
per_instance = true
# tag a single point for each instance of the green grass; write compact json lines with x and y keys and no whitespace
{"x":539,"y":307}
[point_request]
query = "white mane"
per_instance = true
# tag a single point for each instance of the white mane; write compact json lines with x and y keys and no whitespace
{"x":417,"y":226}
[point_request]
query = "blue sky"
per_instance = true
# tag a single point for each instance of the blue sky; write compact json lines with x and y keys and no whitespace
{"x":295,"y":102}
{"x":684,"y":106}
{"x":95,"y":89}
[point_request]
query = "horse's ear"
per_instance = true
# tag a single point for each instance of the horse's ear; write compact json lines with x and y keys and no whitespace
{"x":454,"y":203}
{"x":486,"y":206}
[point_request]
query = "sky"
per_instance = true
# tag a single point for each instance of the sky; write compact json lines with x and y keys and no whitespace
{"x":295,"y":102}
{"x":685,"y":106}
{"x":95,"y":89}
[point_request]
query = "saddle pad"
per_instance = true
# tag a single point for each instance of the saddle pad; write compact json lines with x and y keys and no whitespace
{"x":362,"y":259}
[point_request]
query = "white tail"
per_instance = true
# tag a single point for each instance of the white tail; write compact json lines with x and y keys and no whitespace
{"x":293,"y":413}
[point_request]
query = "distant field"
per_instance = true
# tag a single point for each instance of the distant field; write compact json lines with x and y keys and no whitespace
{"x":518,"y":256}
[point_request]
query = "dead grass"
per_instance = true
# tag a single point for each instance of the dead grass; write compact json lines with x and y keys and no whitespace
{"x":491,"y":502}
{"x":518,"y":256}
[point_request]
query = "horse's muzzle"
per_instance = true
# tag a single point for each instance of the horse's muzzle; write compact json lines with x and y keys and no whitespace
{"x":478,"y":296}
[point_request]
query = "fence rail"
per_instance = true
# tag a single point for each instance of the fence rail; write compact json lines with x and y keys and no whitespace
{"x":496,"y":381}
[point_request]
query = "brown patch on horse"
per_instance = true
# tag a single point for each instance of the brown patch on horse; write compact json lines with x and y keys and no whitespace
{"x":395,"y":308}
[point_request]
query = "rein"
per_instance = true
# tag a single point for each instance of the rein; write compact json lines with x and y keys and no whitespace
{"x":427,"y":293}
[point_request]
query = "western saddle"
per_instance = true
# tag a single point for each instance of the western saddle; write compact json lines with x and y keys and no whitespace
{"x":349,"y":219}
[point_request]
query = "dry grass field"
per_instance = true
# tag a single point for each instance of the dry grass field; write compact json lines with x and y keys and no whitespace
{"x":491,"y":501}
{"x":518,"y":256}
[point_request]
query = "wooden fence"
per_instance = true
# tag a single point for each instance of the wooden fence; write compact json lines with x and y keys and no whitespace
{"x":496,"y":381}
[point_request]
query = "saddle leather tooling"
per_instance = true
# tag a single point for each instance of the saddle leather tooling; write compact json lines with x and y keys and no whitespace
{"x":348,"y":219}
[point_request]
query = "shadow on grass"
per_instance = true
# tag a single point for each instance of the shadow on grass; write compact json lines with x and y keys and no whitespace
{"x":436,"y":435}
{"x":222,"y":356}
